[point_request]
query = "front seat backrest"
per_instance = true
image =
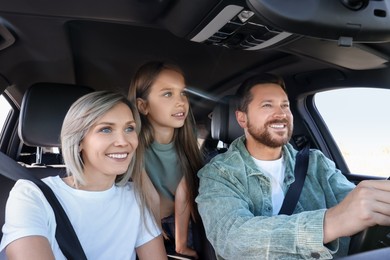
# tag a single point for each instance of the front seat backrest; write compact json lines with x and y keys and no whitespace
{"x":43,"y":109}
{"x":224,"y":125}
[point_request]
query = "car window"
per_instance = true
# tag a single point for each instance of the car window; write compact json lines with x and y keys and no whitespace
{"x":5,"y":109}
{"x":358,"y":121}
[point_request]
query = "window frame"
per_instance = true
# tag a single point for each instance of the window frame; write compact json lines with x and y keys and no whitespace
{"x":9,"y":139}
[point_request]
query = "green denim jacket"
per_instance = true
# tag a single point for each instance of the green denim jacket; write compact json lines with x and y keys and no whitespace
{"x":235,"y":204}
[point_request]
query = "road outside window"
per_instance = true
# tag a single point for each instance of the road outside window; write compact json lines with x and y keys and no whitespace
{"x":5,"y":108}
{"x":359,"y":122}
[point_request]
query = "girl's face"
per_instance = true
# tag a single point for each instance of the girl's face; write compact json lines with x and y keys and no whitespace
{"x":167,"y":105}
{"x":109,"y":144}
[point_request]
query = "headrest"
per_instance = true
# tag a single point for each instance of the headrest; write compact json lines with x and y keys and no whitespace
{"x":224,"y":125}
{"x":43,"y":109}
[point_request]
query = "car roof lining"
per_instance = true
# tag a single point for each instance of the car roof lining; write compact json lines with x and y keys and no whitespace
{"x":103,"y":45}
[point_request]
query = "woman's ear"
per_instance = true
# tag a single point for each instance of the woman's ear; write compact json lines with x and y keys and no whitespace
{"x":142,"y":106}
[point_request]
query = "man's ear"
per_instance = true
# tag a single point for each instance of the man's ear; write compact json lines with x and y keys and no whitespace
{"x":241,"y":118}
{"x":142,"y":106}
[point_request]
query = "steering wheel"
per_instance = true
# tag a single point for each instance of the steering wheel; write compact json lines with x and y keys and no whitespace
{"x":369,"y":239}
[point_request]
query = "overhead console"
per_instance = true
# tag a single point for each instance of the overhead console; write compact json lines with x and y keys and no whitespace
{"x":258,"y":24}
{"x":345,"y":21}
{"x":317,"y":29}
{"x":235,"y":26}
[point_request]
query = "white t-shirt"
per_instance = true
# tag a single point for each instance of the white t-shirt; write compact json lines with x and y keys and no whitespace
{"x":107,"y":223}
{"x":275,"y":171}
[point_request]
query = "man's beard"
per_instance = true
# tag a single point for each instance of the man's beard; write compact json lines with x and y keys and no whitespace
{"x":263,"y":135}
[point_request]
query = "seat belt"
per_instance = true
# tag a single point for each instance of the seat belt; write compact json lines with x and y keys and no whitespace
{"x":292,"y":196}
{"x":65,"y":235}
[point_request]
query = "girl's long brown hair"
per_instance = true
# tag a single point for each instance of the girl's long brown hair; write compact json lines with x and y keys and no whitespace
{"x":184,"y":138}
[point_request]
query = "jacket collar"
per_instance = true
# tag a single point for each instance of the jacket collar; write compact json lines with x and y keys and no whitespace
{"x":288,"y":151}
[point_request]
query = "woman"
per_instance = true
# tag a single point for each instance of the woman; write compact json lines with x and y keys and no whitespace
{"x":110,"y":215}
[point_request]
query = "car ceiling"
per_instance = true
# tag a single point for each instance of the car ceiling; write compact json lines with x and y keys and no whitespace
{"x":101,"y":43}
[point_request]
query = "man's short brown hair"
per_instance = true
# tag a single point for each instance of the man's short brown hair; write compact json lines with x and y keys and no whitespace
{"x":243,"y":93}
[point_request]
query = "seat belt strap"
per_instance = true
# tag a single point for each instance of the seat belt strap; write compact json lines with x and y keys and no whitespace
{"x":65,"y":235}
{"x":292,"y":196}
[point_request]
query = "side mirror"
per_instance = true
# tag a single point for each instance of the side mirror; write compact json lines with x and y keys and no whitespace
{"x":346,"y":21}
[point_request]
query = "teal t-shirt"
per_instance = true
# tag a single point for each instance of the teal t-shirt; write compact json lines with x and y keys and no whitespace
{"x":162,"y":166}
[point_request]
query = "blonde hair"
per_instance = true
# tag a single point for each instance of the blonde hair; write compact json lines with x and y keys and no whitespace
{"x":81,"y":116}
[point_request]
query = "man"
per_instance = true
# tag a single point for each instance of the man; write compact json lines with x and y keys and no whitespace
{"x":241,"y":191}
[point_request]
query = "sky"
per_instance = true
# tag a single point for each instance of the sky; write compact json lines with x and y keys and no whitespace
{"x":4,"y":108}
{"x":359,"y":118}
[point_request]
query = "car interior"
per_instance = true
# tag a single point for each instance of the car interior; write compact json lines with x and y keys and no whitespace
{"x":52,"y":52}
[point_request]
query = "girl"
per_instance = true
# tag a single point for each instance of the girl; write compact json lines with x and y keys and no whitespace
{"x":109,"y":214}
{"x":172,"y":156}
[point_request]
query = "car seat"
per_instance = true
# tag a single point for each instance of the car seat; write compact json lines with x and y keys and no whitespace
{"x":224,"y":125}
{"x":43,"y":109}
{"x":224,"y":128}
